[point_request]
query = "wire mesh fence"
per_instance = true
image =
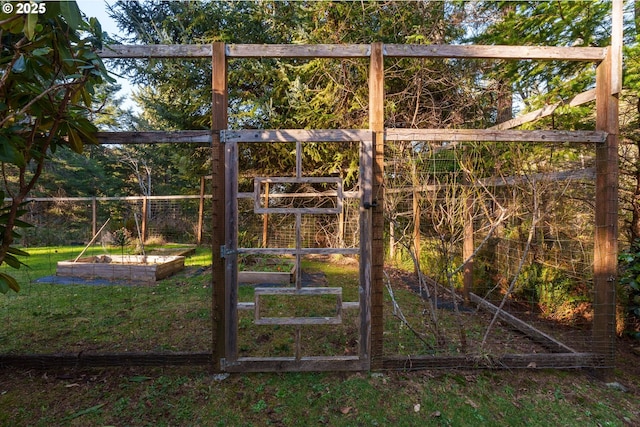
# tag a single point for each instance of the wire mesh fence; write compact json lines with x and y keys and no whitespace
{"x":109,"y":301}
{"x":75,"y":220}
{"x":529,"y":257}
{"x":531,"y":246}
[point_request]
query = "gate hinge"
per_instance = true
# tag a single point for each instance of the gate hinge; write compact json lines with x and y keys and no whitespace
{"x":224,"y":251}
{"x":223,"y":136}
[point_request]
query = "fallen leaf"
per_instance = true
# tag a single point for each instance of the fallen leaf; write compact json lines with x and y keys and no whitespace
{"x":435,"y":414}
{"x":473,"y":404}
{"x":72,"y":385}
{"x":416,"y":407}
{"x":345,"y":410}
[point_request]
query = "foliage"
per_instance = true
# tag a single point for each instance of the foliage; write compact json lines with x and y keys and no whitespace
{"x":630,"y":282}
{"x":49,"y":70}
{"x":550,"y":23}
{"x":284,"y":93}
{"x":121,"y":237}
{"x":7,"y":281}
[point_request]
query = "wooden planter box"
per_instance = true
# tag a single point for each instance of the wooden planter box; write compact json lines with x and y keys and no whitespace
{"x":257,"y":277}
{"x":135,"y":268}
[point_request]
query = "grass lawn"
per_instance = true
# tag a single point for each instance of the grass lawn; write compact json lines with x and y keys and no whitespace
{"x":174,"y":315}
{"x":191,"y":397}
{"x":171,"y":315}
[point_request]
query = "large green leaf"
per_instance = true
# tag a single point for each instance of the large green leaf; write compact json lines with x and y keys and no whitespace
{"x":71,"y":13}
{"x":8,"y":282}
{"x":9,"y":153}
{"x":75,"y":142}
{"x":20,"y":65}
{"x":19,"y":252}
{"x":30,"y":25}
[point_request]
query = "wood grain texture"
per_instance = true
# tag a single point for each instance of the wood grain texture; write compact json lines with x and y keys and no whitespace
{"x":491,"y":135}
{"x":295,"y":135}
{"x":156,"y":137}
{"x":495,"y":52}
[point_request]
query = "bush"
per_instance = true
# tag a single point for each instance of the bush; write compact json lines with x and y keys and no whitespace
{"x":630,"y":286}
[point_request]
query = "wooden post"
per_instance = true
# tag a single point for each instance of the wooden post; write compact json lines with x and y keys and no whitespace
{"x":218,"y":123}
{"x":265,"y":217}
{"x":94,"y":216}
{"x":417,"y":244}
{"x":145,"y":216}
{"x":200,"y":212}
{"x":376,"y":124}
{"x":605,"y":249}
{"x":467,"y":249}
{"x":392,"y":241}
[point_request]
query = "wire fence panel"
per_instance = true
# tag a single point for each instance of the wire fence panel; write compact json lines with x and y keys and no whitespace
{"x":121,"y":297}
{"x":531,"y":251}
{"x":64,"y":221}
{"x":531,"y":291}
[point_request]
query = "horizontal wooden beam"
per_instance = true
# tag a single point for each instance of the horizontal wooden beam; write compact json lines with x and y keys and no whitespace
{"x":345,"y":194}
{"x":356,"y":51}
{"x":496,"y":52}
{"x":156,"y":137}
{"x":491,"y":135}
{"x":575,"y":175}
{"x":345,"y":135}
{"x":298,"y":51}
{"x":531,"y":332}
{"x":293,"y":135}
{"x":156,"y":51}
{"x":547,"y":110}
{"x":572,"y":175}
{"x":302,"y":251}
{"x":291,"y":364}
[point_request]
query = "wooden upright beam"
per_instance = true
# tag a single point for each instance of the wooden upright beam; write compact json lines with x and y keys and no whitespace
{"x":201,"y":211}
{"x":218,"y":123}
{"x":468,"y":246}
{"x":376,"y":124}
{"x":617,"y":33}
{"x":605,"y":250}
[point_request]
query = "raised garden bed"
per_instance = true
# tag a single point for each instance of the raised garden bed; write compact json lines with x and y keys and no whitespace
{"x":266,"y":270}
{"x":135,"y":268}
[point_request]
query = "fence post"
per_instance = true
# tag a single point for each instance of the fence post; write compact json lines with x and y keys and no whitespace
{"x":200,"y":211}
{"x":145,"y":215}
{"x":467,"y":248}
{"x":605,"y":251}
{"x":265,"y":217}
{"x":94,"y":216}
{"x":376,"y":124}
{"x":218,"y":200}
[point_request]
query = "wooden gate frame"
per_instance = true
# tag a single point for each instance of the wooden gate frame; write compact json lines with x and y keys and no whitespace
{"x":605,"y":137}
{"x":231,"y":361}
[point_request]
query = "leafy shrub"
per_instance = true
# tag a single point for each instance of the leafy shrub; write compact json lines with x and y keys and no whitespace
{"x":630,"y":285}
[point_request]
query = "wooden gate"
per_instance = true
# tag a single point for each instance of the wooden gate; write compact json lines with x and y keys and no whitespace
{"x":296,"y":320}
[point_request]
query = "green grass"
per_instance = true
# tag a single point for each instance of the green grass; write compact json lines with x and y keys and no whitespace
{"x":171,"y":315}
{"x":164,"y":397}
{"x":174,"y":315}
{"x":43,"y":260}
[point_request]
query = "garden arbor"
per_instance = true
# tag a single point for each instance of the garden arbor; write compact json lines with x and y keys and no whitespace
{"x":370,"y":194}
